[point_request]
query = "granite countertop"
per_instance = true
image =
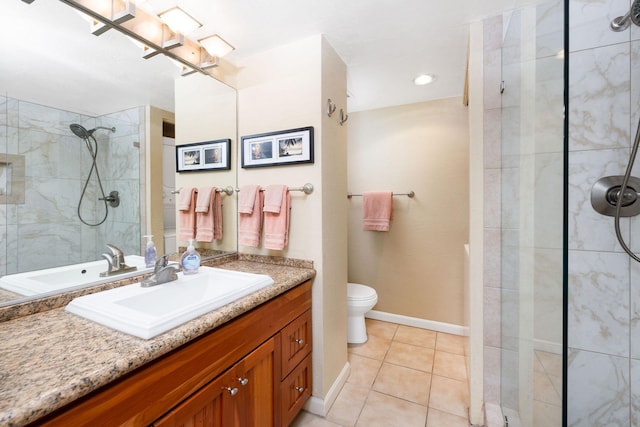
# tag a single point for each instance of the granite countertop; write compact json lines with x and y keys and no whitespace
{"x":52,"y":358}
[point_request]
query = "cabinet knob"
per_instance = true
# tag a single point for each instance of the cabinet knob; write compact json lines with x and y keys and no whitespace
{"x":243,"y":381}
{"x":299,"y":341}
{"x":232,"y":391}
{"x":300,"y":389}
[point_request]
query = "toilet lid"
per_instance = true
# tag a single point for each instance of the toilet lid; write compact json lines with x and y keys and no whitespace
{"x":356,"y":291}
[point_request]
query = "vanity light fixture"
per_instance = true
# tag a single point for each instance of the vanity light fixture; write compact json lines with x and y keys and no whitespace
{"x":423,"y":79}
{"x":179,"y":20}
{"x":216,"y":46}
{"x":151,"y":31}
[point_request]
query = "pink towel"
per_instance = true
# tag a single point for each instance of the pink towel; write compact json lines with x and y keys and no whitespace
{"x":276,"y":225}
{"x":377,"y":210}
{"x":184,"y":199}
{"x":274,"y":196}
{"x":247,"y":198}
{"x":250,"y":224}
{"x":209,"y":223}
{"x":204,"y":199}
{"x":187,"y":214}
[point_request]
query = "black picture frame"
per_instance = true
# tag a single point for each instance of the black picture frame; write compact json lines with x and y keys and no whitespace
{"x":285,"y":147}
{"x":204,"y":156}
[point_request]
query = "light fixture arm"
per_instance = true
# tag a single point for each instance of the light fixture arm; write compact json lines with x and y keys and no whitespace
{"x":187,"y":52}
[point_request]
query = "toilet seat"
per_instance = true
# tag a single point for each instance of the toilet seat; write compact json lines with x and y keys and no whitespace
{"x":358,"y":292}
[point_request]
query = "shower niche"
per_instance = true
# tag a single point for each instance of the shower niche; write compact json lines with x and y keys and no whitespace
{"x":12,"y":179}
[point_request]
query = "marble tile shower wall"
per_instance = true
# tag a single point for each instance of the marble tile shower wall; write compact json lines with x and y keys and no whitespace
{"x":604,"y":284}
{"x":45,"y":230}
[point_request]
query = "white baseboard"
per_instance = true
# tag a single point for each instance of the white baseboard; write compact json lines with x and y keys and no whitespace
{"x":319,"y":406}
{"x":447,"y":328}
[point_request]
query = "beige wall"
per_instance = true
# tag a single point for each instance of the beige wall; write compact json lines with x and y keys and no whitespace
{"x":288,"y":88}
{"x":154,"y":220}
{"x":416,"y":267}
{"x":206,"y":111}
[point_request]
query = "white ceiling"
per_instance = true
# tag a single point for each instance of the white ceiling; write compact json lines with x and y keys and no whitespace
{"x":49,"y":56}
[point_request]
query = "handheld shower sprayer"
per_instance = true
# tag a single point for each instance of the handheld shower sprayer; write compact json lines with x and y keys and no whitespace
{"x":92,"y":145}
{"x":621,"y":23}
{"x":82,"y":132}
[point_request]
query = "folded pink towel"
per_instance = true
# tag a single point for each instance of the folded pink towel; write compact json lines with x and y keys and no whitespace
{"x":187,"y":217}
{"x":377,"y":210}
{"x":250,"y":224}
{"x":184,"y":199}
{"x":276,"y":225}
{"x":274,"y":196}
{"x":209,"y":223}
{"x":203,"y":199}
{"x":247,"y":198}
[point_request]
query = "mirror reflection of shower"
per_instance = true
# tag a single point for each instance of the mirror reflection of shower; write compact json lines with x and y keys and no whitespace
{"x":91,"y":143}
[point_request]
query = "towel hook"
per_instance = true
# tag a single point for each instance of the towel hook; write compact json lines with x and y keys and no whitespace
{"x":343,"y":117}
{"x":331,"y":107}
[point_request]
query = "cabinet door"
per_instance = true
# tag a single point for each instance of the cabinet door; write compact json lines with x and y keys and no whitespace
{"x":295,"y":390}
{"x":257,"y":385}
{"x":242,"y":396}
{"x":296,"y":342}
{"x":212,"y":405}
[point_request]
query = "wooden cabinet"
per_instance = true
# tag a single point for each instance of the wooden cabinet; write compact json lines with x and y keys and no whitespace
{"x":295,"y":386}
{"x":254,"y":370}
{"x":239,"y":397}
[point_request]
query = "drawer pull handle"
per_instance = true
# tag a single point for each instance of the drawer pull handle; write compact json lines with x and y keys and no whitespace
{"x":243,"y":381}
{"x":300,"y":389}
{"x":232,"y":391}
{"x":299,"y":341}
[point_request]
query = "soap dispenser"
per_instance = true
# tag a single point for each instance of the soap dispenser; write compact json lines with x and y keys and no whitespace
{"x":150,"y":254}
{"x":190,"y":260}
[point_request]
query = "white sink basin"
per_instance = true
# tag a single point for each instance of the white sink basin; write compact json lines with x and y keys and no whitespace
{"x":67,"y":277}
{"x":147,"y":312}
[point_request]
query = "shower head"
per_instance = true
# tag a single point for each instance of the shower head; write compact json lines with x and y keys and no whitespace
{"x":621,"y":23}
{"x":82,"y":132}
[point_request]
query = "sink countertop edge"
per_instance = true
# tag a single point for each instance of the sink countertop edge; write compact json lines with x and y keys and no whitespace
{"x":53,"y":358}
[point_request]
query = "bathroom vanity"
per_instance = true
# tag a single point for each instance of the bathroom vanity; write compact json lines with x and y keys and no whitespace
{"x":248,"y":363}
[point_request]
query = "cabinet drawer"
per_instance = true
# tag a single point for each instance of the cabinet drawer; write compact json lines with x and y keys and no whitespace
{"x":295,"y":390}
{"x":296,"y":342}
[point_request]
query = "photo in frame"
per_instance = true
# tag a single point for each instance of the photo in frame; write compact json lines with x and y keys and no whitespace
{"x":280,"y":148}
{"x":204,"y":156}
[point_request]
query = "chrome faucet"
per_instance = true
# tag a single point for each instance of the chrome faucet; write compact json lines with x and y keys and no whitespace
{"x":162,"y":273}
{"x":115,"y":261}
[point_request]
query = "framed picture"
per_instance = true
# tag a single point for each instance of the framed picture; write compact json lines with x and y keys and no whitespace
{"x":204,"y":156}
{"x":285,"y":147}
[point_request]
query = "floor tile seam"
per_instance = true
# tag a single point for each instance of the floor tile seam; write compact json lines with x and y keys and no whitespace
{"x":414,"y":344}
{"x":454,"y":379}
{"x":367,"y":357}
{"x":449,"y":352}
{"x":413,"y":368}
{"x":465,"y":380}
{"x":399,"y":398}
{"x":421,"y":347}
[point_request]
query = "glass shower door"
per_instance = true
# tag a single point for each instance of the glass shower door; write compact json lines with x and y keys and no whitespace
{"x":532,"y":215}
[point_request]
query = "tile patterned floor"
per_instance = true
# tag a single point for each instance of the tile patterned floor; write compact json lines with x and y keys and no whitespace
{"x":402,"y":376}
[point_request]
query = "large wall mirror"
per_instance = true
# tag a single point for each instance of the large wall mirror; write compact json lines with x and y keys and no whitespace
{"x":81,"y":115}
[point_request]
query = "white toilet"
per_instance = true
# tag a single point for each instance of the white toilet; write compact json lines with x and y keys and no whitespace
{"x":360,"y":299}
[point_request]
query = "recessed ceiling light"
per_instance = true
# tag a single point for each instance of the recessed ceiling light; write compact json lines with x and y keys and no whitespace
{"x":423,"y":79}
